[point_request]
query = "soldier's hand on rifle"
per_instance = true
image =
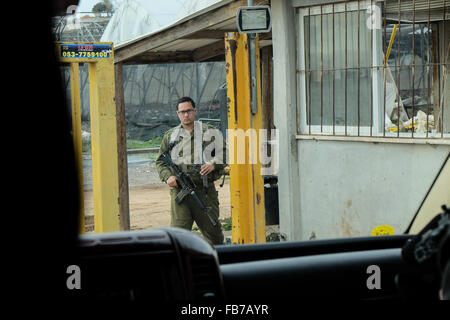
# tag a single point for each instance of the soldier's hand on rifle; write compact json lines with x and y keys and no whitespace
{"x":207,"y":168}
{"x":172,"y":182}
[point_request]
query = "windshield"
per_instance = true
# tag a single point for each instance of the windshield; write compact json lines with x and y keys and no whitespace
{"x":347,"y":135}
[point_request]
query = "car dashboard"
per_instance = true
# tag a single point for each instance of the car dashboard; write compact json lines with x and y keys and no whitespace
{"x":170,"y":264}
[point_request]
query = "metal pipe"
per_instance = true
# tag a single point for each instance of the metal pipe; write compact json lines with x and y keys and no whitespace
{"x":428,"y":67}
{"x":359,"y":71}
{"x":333,"y":74}
{"x":309,"y":68}
{"x":252,"y":54}
{"x":346,"y":71}
{"x":413,"y":67}
{"x":371,"y":74}
{"x":385,"y":63}
{"x":444,"y":61}
{"x":321,"y":67}
{"x":399,"y":69}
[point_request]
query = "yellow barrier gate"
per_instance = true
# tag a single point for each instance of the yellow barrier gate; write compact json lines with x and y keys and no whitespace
{"x":100,"y":57}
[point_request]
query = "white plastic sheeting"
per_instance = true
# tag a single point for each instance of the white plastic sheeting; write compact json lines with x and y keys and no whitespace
{"x":130,"y":21}
{"x":188,"y":7}
{"x":134,"y":19}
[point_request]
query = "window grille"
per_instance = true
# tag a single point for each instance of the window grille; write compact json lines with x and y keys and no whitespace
{"x":373,"y":68}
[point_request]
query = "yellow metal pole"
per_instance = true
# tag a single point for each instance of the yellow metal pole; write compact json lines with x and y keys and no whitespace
{"x":391,"y":41}
{"x":246,"y":183}
{"x":105,"y":167}
{"x":76,"y":132}
{"x":105,"y":177}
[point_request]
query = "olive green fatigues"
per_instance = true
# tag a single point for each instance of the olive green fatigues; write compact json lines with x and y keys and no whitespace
{"x":184,"y":214}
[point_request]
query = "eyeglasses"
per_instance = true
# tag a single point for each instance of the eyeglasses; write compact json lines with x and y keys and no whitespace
{"x":190,"y":111}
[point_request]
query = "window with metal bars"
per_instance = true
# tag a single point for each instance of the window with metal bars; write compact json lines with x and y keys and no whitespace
{"x":373,"y":68}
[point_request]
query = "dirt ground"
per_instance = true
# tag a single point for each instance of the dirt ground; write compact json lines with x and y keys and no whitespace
{"x":150,"y":205}
{"x":149,"y":200}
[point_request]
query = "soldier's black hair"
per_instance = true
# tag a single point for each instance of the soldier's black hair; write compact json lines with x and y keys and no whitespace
{"x":185,"y":99}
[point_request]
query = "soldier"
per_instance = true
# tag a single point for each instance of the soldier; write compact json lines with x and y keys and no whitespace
{"x":190,"y":154}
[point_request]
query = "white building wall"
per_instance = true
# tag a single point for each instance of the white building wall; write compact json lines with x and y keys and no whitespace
{"x":348,"y":188}
{"x":285,"y":101}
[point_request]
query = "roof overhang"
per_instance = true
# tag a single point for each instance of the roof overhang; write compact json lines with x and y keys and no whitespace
{"x":195,"y":38}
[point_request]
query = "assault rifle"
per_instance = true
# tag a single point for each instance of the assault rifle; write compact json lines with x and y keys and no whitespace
{"x":185,"y":182}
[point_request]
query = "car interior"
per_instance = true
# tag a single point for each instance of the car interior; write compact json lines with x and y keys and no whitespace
{"x":171,"y":264}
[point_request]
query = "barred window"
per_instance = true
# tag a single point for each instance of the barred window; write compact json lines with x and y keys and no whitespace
{"x":372,"y":68}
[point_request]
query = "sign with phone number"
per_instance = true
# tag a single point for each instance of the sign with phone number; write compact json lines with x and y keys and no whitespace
{"x":85,"y":51}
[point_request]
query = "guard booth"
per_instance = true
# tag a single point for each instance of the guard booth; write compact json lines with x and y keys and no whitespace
{"x":344,"y":73}
{"x":105,"y":168}
{"x":211,"y":34}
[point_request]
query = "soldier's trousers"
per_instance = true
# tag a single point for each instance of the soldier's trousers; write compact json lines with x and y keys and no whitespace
{"x":184,"y":214}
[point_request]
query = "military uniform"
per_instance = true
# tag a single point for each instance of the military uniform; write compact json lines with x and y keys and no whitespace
{"x":184,"y":214}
